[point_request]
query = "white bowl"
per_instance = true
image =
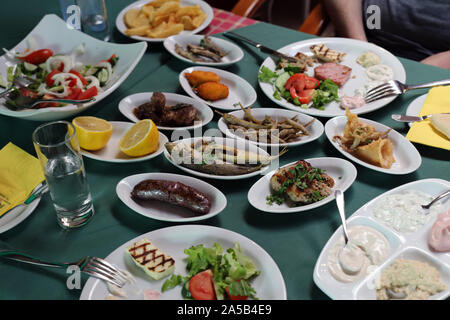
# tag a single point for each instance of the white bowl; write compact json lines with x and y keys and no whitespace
{"x":316,"y":128}
{"x":163,"y":211}
{"x":120,"y":24}
{"x":111,"y":152}
{"x":127,"y":105}
{"x":52,"y":33}
{"x":234,"y":55}
{"x":407,"y":158}
{"x":239,"y":89}
{"x":342,"y":172}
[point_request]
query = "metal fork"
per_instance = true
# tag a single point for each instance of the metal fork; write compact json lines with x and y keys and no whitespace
{"x":18,"y":82}
{"x":92,"y":266}
{"x":395,"y":88}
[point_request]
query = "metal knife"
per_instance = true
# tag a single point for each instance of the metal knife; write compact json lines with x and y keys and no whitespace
{"x":403,"y":118}
{"x":261,"y":47}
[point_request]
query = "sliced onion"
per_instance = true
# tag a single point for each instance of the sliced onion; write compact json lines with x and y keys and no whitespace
{"x":93,"y":81}
{"x":43,"y":90}
{"x":60,"y":79}
{"x":31,"y":43}
{"x":67,"y":60}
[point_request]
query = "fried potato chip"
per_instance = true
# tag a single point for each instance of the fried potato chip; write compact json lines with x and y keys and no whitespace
{"x":187,"y":22}
{"x":168,"y":8}
{"x":158,"y":3}
{"x":165,"y":30}
{"x":138,"y":31}
{"x":150,"y":12}
{"x":198,"y":20}
{"x":189,"y":11}
{"x":135,"y":18}
{"x":160,"y":19}
{"x":171,"y":19}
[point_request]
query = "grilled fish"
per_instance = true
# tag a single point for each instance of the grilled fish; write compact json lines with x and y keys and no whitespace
{"x":189,"y":55}
{"x":207,"y":43}
{"x":326,"y":54}
{"x":200,"y":51}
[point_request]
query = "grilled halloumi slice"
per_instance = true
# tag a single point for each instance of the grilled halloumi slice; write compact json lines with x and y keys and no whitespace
{"x":150,"y":259}
{"x":326,"y":54}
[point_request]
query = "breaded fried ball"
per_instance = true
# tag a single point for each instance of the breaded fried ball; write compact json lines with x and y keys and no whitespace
{"x":212,"y":91}
{"x":196,"y":78}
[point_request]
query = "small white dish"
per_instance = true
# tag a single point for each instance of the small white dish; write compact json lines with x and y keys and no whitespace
{"x":128,"y":104}
{"x":316,"y":128}
{"x":239,"y":89}
{"x":269,"y":285}
{"x":120,"y":23}
{"x":407,"y":158}
{"x":234,"y":55}
{"x":111,"y":152}
{"x":166,"y":212}
{"x":342,"y":171}
{"x":52,"y":33}
{"x":17,"y":215}
{"x":237,"y":143}
{"x":415,"y":106}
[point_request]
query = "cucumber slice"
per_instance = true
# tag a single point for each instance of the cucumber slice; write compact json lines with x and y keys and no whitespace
{"x":3,"y":82}
{"x":10,"y":76}
{"x":103,"y":76}
{"x":29,"y":66}
{"x":281,"y":80}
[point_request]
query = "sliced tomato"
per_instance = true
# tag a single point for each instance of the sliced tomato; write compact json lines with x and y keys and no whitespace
{"x":47,"y":104}
{"x":79,"y":75}
{"x":110,"y":58}
{"x":306,"y":96}
{"x":48,"y":80}
{"x":61,"y":67}
{"x":311,"y":83}
{"x":201,"y":286}
{"x":89,"y":93}
{"x":38,"y":56}
{"x":299,"y":78}
{"x":235,"y":297}
{"x":74,"y":93}
{"x":27,"y":93}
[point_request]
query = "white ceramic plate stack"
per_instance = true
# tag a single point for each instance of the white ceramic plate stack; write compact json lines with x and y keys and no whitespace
{"x":407,"y":158}
{"x":342,"y":172}
{"x":352,"y":48}
{"x":120,"y":24}
{"x":269,"y":285}
{"x":128,"y":104}
{"x":411,"y":246}
{"x":239,"y":89}
{"x":234,"y":55}
{"x":239,"y":144}
{"x":163,"y":211}
{"x":52,"y":33}
{"x":112,"y":153}
{"x":316,"y":128}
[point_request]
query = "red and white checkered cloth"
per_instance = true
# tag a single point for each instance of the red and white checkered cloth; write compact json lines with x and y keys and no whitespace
{"x":225,"y":20}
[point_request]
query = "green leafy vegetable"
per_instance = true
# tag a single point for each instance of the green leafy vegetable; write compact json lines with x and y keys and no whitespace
{"x":326,"y":93}
{"x":174,"y":281}
{"x":266,"y":75}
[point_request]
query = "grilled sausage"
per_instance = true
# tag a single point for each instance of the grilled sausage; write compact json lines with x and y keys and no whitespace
{"x":172,"y":192}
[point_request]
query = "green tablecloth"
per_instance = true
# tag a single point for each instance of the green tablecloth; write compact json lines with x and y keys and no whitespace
{"x":293,"y":240}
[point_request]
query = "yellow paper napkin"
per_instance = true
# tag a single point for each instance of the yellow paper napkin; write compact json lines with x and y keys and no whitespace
{"x":437,"y":101}
{"x":20,"y":173}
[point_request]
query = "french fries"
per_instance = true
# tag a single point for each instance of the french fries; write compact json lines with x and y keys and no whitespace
{"x":162,"y":19}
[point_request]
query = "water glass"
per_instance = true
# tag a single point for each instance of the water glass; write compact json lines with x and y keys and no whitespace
{"x":58,"y":150}
{"x":94,"y":19}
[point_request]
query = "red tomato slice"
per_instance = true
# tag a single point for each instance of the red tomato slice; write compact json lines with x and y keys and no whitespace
{"x":89,"y":93}
{"x":235,"y":297}
{"x":201,"y":286}
{"x":38,"y":56}
{"x":27,"y":93}
{"x":83,"y":80}
{"x":295,"y":77}
{"x":49,"y":79}
{"x":306,"y":96}
{"x":47,"y":104}
{"x":311,"y":83}
{"x":61,"y":67}
{"x":74,"y":94}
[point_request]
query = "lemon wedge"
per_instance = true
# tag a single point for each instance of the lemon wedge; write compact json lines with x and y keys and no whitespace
{"x":92,"y":133}
{"x":141,"y":139}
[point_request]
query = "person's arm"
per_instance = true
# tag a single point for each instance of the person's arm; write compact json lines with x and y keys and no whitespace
{"x":347,"y":18}
{"x":441,"y":60}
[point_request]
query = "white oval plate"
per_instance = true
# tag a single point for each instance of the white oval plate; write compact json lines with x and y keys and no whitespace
{"x":120,"y":24}
{"x":342,"y":171}
{"x":234,"y":55}
{"x":238,"y":143}
{"x":239,"y":89}
{"x":163,"y":211}
{"x":52,"y":32}
{"x":128,"y":104}
{"x":269,"y":285}
{"x":403,"y":245}
{"x":111,"y":152}
{"x":415,"y":106}
{"x":316,"y":128}
{"x":17,"y":215}
{"x":407,"y":158}
{"x":352,"y":48}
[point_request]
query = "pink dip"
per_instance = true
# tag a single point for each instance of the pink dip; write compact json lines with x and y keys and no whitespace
{"x":439,"y":238}
{"x":352,"y":102}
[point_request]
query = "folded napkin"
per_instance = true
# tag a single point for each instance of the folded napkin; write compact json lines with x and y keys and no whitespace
{"x":437,"y":101}
{"x":20,"y":173}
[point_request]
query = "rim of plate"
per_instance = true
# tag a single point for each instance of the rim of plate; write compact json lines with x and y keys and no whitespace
{"x":415,"y":106}
{"x":416,"y":154}
{"x":174,"y":177}
{"x":20,"y":216}
{"x":205,"y":109}
{"x":212,"y":176}
{"x":348,"y":164}
{"x":188,"y":89}
{"x":120,"y":24}
{"x":91,"y":283}
{"x":162,"y":140}
{"x":322,"y":113}
{"x":212,"y":64}
{"x":223,"y":127}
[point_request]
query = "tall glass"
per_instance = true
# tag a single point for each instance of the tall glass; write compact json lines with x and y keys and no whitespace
{"x":94,"y":19}
{"x":58,"y":150}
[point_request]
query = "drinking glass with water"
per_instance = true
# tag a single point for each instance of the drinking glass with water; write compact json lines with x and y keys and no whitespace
{"x":94,"y":19}
{"x":58,"y":150}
